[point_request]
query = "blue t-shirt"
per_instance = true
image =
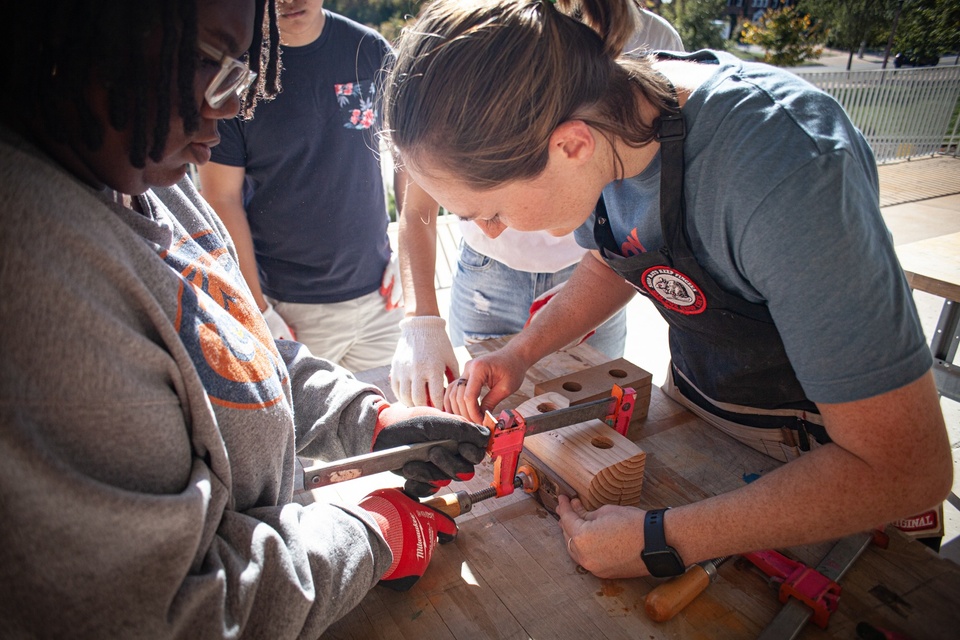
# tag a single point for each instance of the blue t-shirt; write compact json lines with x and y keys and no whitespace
{"x":782,"y":209}
{"x":317,"y":212}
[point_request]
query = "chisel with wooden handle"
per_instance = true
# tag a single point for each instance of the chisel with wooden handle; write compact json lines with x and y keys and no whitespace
{"x":669,"y":598}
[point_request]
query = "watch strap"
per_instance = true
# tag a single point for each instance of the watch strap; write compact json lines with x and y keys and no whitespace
{"x":661,"y":559}
{"x":653,"y":535}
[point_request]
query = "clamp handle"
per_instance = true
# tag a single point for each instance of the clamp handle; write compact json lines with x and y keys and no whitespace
{"x":619,"y":418}
{"x":506,"y":443}
{"x":799,"y":581}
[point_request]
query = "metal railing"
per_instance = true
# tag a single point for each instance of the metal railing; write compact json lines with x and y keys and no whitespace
{"x":903,"y":113}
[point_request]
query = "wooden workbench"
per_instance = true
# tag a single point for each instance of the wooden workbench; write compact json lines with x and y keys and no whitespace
{"x":508,"y":574}
{"x":933,"y":265}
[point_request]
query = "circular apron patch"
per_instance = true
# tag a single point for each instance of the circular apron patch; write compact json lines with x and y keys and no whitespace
{"x":674,"y":290}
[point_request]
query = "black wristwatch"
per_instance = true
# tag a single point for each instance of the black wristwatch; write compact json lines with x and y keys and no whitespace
{"x":661,"y":559}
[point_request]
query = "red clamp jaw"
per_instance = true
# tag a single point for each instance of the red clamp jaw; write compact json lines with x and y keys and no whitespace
{"x":801,"y":582}
{"x":623,"y":410}
{"x":508,"y":431}
{"x":506,"y":443}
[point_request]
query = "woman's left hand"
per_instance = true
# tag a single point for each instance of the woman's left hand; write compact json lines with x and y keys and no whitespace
{"x":606,"y":542}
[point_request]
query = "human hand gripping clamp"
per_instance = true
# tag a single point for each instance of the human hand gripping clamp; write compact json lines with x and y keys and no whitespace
{"x":509,"y":430}
{"x":504,"y":446}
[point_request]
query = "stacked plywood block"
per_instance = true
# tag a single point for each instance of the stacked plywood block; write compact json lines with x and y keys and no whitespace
{"x":588,"y":460}
{"x":595,"y":383}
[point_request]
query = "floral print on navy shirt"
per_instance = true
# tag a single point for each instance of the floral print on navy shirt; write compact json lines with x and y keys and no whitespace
{"x":356,"y":100}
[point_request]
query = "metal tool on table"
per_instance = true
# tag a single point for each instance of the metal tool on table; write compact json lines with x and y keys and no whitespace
{"x":669,"y":598}
{"x":506,"y":442}
{"x":455,"y":504}
{"x":815,"y":588}
{"x":814,"y":593}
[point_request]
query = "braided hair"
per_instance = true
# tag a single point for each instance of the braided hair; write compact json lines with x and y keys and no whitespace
{"x":58,"y":46}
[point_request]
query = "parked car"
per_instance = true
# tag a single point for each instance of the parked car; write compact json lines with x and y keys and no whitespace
{"x":914,"y":59}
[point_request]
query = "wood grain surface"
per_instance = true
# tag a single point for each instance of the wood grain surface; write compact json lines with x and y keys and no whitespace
{"x":508,"y":574}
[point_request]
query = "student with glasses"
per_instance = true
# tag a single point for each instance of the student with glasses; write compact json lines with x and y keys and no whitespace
{"x":149,"y":423}
{"x":233,"y":76}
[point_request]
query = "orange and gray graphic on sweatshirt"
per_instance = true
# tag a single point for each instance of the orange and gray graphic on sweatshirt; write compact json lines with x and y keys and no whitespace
{"x":222,"y":329}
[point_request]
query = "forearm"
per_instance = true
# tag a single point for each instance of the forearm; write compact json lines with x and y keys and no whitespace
{"x":223,"y":191}
{"x":234,"y":218}
{"x":591,"y":296}
{"x":417,"y":240}
{"x":334,"y":413}
{"x":418,"y":255}
{"x":897,"y":465}
{"x":890,"y":458}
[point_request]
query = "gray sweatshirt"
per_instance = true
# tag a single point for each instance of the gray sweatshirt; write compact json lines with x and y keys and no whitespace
{"x":149,"y":427}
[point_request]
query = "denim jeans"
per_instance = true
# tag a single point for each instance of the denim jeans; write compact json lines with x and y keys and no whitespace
{"x":488,"y":299}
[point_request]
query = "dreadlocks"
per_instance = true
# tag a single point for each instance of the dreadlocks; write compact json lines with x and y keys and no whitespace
{"x":58,"y":46}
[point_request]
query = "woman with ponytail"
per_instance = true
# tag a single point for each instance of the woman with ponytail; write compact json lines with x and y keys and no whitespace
{"x":743,"y":203}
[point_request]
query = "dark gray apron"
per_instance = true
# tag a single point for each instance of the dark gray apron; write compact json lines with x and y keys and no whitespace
{"x":728,"y":348}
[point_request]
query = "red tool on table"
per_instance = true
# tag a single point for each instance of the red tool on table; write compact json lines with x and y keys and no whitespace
{"x":799,"y":581}
{"x":506,"y":442}
{"x":815,"y":593}
{"x":806,"y":592}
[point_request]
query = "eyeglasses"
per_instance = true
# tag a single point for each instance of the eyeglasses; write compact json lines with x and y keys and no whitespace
{"x":234,"y":77}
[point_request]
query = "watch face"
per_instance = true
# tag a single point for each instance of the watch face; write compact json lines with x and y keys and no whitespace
{"x":663,"y":563}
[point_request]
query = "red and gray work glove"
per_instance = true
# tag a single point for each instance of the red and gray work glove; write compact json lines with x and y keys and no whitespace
{"x":279,"y":328}
{"x":398,"y":425}
{"x":541,"y":301}
{"x":412,"y":530}
{"x":390,"y":287}
{"x":424,"y":357}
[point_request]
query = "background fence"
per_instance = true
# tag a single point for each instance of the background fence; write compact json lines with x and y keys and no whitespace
{"x":903,"y":113}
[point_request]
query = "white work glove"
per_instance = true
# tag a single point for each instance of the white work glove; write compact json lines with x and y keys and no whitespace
{"x":424,"y":356}
{"x":541,"y":301}
{"x":279,"y":328}
{"x":390,"y":287}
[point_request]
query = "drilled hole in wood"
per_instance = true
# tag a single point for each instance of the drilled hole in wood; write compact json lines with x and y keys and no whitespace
{"x":572,"y":386}
{"x":543,"y":407}
{"x":602,"y":442}
{"x":618,"y":373}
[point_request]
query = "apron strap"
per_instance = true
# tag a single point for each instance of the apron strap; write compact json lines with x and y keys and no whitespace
{"x":671,"y":133}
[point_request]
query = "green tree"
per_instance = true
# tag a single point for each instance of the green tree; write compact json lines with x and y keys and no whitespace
{"x":929,"y":28}
{"x":387,"y":16}
{"x":852,"y":24}
{"x":694,"y":21}
{"x":787,"y":36}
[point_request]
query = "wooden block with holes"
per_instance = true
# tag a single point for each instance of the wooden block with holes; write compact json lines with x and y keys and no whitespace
{"x":595,"y":383}
{"x":589,"y":460}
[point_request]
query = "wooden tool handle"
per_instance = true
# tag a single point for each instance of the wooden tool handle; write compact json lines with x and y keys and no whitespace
{"x":448,"y":503}
{"x":668,"y":599}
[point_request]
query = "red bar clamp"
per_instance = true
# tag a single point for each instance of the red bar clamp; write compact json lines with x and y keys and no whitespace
{"x":508,"y":431}
{"x":801,"y":582}
{"x":506,"y":443}
{"x":623,"y":411}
